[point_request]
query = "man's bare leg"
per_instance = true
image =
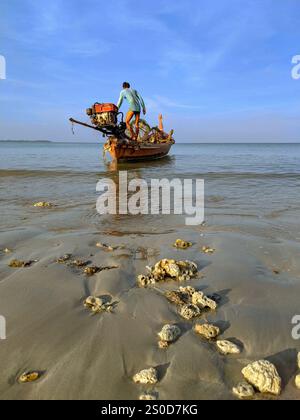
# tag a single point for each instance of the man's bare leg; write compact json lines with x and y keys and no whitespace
{"x":129,"y":117}
{"x":137,"y":126}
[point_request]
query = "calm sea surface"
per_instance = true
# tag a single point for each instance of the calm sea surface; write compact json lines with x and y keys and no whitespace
{"x":253,"y":181}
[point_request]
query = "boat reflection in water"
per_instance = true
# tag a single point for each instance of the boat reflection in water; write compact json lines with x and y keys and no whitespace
{"x":153,"y":221}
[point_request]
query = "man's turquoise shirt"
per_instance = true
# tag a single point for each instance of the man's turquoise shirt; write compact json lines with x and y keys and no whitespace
{"x":134,"y":98}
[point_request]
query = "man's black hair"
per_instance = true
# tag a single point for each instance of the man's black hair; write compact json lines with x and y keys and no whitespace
{"x":126,"y":85}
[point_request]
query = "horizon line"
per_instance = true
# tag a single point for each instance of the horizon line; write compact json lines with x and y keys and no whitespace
{"x":178,"y":142}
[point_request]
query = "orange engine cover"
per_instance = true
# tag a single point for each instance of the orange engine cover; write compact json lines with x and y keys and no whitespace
{"x":99,"y":108}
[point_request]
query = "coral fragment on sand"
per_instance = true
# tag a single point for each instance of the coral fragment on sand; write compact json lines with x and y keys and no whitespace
{"x":187,"y":291}
{"x":163,"y":344}
{"x":148,"y":397}
{"x":90,"y":271}
{"x":28,"y":377}
{"x":243,"y":390}
{"x":175,"y":297}
{"x":199,"y":299}
{"x":168,"y":334}
{"x":43,"y":204}
{"x":106,"y":247}
{"x":166,"y":270}
{"x":297,"y":381}
{"x":181,"y":244}
{"x":208,"y":250}
{"x":227,"y":347}
{"x":207,"y":331}
{"x":21,"y":264}
{"x":65,"y":258}
{"x":79,"y":263}
{"x":97,"y":305}
{"x":189,"y":311}
{"x":263,"y":376}
{"x":145,"y":281}
{"x":146,"y":377}
{"x":190,"y":296}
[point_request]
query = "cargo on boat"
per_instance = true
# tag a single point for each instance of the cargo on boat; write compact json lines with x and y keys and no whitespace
{"x":152,"y":142}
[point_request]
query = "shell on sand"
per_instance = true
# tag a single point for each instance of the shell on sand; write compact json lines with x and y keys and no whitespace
{"x":227,"y":347}
{"x":298,"y":360}
{"x":169,"y":333}
{"x":243,"y":390}
{"x":189,"y":311}
{"x":146,"y":376}
{"x":263,"y":376}
{"x":28,"y":377}
{"x":207,"y":331}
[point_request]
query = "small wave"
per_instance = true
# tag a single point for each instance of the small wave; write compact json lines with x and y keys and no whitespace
{"x":215,"y":199}
{"x":36,"y":173}
{"x":249,"y":175}
{"x":184,"y":174}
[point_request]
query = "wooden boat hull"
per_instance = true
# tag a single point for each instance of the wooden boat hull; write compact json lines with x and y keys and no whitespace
{"x":124,"y":152}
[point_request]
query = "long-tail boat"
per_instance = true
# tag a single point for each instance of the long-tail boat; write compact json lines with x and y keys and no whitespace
{"x":151,"y":143}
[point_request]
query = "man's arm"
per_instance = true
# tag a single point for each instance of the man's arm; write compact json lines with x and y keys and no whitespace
{"x":142,"y":102}
{"x":120,"y":99}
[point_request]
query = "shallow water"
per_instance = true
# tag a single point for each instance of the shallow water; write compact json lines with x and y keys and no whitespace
{"x":249,"y":183}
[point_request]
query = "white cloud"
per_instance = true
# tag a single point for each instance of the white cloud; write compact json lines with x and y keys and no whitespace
{"x":159,"y":103}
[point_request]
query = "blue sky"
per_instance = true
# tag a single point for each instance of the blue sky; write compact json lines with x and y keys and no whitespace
{"x":219,"y":70}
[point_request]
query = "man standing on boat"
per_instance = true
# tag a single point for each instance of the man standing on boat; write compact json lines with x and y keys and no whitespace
{"x":136,"y":102}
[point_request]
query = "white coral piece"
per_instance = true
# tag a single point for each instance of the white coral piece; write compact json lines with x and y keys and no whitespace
{"x":227,"y":347}
{"x":146,"y":376}
{"x":169,"y":333}
{"x":189,"y":311}
{"x":263,"y":376}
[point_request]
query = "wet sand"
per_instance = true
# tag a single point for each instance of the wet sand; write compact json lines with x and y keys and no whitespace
{"x":85,"y":356}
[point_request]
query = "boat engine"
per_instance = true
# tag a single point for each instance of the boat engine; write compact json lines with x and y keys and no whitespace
{"x":103,"y":115}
